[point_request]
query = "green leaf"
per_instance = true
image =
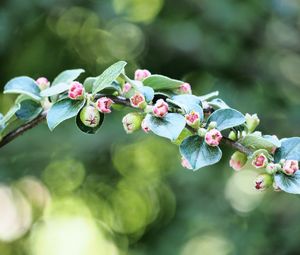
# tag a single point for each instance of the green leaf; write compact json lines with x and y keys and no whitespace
{"x":23,"y":85}
{"x":63,"y":110}
{"x":169,"y":127}
{"x":29,"y":110}
{"x":209,"y":96}
{"x":218,"y":103}
{"x":148,"y":93}
{"x":8,"y":116}
{"x":290,"y":149}
{"x":2,"y":125}
{"x":89,"y":83}
{"x":256,"y":142}
{"x":55,"y":90}
{"x":108,"y":76}
{"x":67,"y":76}
{"x":161,"y":82}
{"x":88,"y":130}
{"x":289,"y":184}
{"x":188,"y":103}
{"x":226,"y":118}
{"x":198,"y":153}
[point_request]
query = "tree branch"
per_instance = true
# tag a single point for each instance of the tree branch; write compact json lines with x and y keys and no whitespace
{"x":118,"y":100}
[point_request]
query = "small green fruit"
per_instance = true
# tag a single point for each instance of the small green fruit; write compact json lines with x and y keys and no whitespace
{"x":90,"y":116}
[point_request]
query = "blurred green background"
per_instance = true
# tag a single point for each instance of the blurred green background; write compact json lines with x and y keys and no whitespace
{"x":67,"y":193}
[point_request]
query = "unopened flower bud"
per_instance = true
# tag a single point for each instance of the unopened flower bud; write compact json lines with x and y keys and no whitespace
{"x":212,"y":125}
{"x":290,"y":167}
{"x":141,"y":74}
{"x":145,"y":126}
{"x":193,"y":119}
{"x":232,"y":135}
{"x":126,"y":88}
{"x":185,"y":88}
{"x":185,"y":163}
{"x":202,"y":132}
{"x":90,"y":116}
{"x":138,"y":101}
{"x":238,"y":160}
{"x":263,"y":181}
{"x":260,"y":160}
{"x":160,"y":108}
{"x":43,"y":83}
{"x":103,"y":104}
{"x":132,"y":122}
{"x":252,"y":121}
{"x":76,"y":91}
{"x":213,"y":137}
{"x":272,"y":168}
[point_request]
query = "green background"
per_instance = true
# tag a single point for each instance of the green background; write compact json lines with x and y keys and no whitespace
{"x":129,"y":191}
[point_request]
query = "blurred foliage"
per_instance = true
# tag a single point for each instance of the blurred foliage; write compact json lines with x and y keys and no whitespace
{"x":69,"y":193}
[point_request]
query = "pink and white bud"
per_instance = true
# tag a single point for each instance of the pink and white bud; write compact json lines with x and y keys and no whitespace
{"x":193,"y":119}
{"x":260,"y":161}
{"x":141,"y":74}
{"x":132,"y":122}
{"x":238,"y":160}
{"x":126,"y":88}
{"x":263,"y":181}
{"x":145,"y":126}
{"x":104,"y":104}
{"x":213,"y":137}
{"x":76,"y":91}
{"x":138,"y":101}
{"x":290,"y":167}
{"x":43,"y":83}
{"x":90,"y":116}
{"x":185,"y":163}
{"x":185,"y":88}
{"x":160,"y":108}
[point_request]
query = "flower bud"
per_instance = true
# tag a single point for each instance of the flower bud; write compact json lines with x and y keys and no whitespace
{"x":185,"y":163}
{"x":90,"y":116}
{"x":290,"y":167}
{"x":160,"y":108}
{"x":212,"y":125}
{"x":272,"y":168}
{"x":232,"y":135}
{"x":213,"y":137}
{"x":202,"y":132}
{"x":141,"y":74}
{"x":252,"y":121}
{"x":138,"y":101}
{"x":185,"y":88}
{"x":193,"y":119}
{"x":126,"y":88}
{"x":238,"y":160}
{"x":260,"y":160}
{"x":132,"y":122}
{"x":43,"y":83}
{"x":263,"y":181}
{"x":76,"y":91}
{"x":145,"y":126}
{"x":103,"y":104}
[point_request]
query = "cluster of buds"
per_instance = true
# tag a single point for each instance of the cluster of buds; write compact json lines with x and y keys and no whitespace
{"x":76,"y":91}
{"x":290,"y":167}
{"x":184,"y":88}
{"x":43,"y":83}
{"x":141,"y":74}
{"x":160,"y":108}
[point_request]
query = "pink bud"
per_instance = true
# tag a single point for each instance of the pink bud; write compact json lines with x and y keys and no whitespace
{"x":263,"y":181}
{"x":103,"y":104}
{"x":145,"y":126}
{"x":138,"y":100}
{"x":43,"y":83}
{"x":185,"y":88}
{"x":126,"y":87}
{"x":213,"y":137}
{"x":260,"y":161}
{"x":193,"y":119}
{"x":238,"y":160}
{"x":160,"y":108}
{"x":185,"y":163}
{"x":141,"y":74}
{"x":76,"y":91}
{"x":290,"y":167}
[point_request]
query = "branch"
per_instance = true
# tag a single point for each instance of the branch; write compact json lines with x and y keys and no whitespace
{"x":118,"y":100}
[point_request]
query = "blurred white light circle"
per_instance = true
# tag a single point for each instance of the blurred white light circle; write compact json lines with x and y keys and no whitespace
{"x":15,"y":214}
{"x":240,"y":191}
